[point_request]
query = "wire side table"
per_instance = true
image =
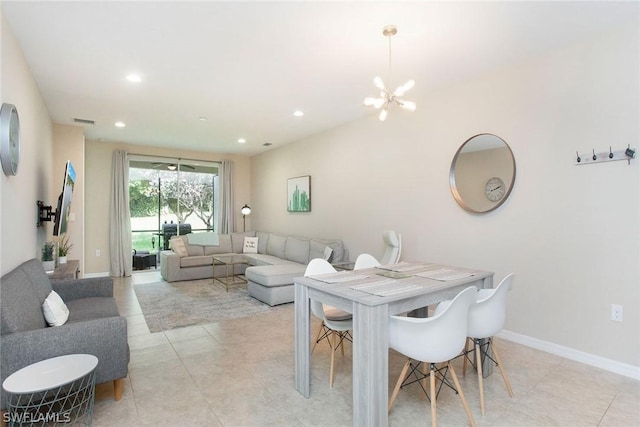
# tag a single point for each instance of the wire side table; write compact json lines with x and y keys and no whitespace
{"x":53,"y":392}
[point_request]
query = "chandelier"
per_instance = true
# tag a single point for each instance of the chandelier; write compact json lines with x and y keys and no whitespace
{"x":387,"y":98}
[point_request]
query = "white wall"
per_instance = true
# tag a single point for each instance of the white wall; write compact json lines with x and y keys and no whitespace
{"x":20,"y":239}
{"x":570,"y":233}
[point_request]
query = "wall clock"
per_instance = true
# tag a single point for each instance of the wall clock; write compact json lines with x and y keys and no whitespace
{"x":494,"y":189}
{"x":9,"y":139}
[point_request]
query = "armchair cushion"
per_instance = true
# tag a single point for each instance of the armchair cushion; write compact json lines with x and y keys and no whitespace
{"x":84,"y":288}
{"x":20,"y":305}
{"x":85,"y":309}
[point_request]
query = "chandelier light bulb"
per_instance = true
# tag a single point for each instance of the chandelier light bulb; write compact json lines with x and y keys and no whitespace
{"x":409,"y":85}
{"x":379,"y":102}
{"x":383,"y":115}
{"x":370,"y":102}
{"x":377,"y":81}
{"x":404,"y":88}
{"x":407,"y":105}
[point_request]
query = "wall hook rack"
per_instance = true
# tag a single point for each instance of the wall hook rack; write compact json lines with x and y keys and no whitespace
{"x":606,"y":156}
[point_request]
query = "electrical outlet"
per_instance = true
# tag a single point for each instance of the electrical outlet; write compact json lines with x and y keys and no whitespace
{"x":97,"y":252}
{"x":616,"y":312}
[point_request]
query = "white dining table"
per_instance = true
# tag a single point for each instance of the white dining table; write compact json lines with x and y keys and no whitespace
{"x":372,"y":297}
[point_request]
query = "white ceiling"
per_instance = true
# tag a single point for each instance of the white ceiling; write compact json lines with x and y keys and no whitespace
{"x":247,"y":66}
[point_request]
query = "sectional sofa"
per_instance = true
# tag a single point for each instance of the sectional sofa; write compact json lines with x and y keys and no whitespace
{"x":274,"y":261}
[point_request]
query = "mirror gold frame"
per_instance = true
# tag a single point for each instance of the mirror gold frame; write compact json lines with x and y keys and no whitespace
{"x":481,"y":159}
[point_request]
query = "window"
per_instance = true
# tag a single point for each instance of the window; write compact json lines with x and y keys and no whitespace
{"x":170,"y":191}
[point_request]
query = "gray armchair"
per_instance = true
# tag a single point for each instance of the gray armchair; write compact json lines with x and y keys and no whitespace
{"x":94,"y":325}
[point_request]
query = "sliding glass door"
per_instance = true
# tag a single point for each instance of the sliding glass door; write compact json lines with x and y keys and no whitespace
{"x":169,"y":197}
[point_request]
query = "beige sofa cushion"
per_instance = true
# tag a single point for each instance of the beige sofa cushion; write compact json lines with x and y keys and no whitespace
{"x":317,"y":249}
{"x":276,"y":245}
{"x":263,"y":239}
{"x":196,"y":261}
{"x":224,"y":247}
{"x":195,"y":250}
{"x":297,"y":249}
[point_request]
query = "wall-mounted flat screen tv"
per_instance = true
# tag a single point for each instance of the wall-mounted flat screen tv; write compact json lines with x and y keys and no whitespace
{"x":64,"y":200}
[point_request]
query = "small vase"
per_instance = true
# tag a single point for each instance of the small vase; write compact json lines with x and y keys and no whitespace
{"x":62,"y":260}
{"x":49,"y":266}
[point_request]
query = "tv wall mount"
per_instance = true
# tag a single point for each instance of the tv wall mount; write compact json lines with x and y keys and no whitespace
{"x":45,"y":213}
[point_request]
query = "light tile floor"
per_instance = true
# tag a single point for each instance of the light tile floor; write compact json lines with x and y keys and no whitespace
{"x":240,"y":372}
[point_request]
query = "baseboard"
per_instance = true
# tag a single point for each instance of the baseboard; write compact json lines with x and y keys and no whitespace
{"x":610,"y":365}
{"x":90,"y":275}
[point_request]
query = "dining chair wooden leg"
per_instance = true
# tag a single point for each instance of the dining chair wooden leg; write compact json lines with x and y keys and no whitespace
{"x":396,"y":389}
{"x":333,"y":354}
{"x":432,"y":391}
{"x":461,"y":393}
{"x":464,"y":359}
{"x":504,"y":375}
{"x":480,"y":382}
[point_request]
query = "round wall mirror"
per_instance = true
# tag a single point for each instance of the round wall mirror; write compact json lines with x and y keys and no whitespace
{"x":482,"y":173}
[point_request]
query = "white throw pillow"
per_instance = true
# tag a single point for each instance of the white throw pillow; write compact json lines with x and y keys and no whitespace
{"x":250,"y":245}
{"x":178,"y":246}
{"x":327,"y":253}
{"x":55,"y":310}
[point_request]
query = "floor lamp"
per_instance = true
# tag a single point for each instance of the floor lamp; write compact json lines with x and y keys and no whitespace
{"x":245,"y":210}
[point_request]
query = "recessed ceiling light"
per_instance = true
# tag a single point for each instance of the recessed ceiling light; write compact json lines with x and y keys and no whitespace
{"x":298,"y":113}
{"x":119,"y":124}
{"x":202,"y":118}
{"x":242,"y":140}
{"x":134,"y":78}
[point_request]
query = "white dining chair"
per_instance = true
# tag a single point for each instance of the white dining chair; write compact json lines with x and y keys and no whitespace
{"x":393,"y":247}
{"x":433,"y":340}
{"x":486,"y":319}
{"x":365,"y":261}
{"x":336,"y":323}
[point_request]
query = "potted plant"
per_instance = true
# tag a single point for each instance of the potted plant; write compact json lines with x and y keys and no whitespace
{"x":64,"y":246}
{"x":47,"y":257}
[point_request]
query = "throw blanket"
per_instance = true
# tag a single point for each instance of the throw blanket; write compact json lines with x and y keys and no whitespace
{"x":205,"y":239}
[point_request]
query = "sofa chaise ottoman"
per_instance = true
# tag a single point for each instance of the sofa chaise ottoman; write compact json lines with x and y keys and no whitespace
{"x":280,"y":259}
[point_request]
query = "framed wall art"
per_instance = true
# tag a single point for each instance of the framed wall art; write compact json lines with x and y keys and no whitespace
{"x":299,"y":194}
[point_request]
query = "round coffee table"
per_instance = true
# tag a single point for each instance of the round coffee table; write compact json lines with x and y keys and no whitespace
{"x":59,"y":390}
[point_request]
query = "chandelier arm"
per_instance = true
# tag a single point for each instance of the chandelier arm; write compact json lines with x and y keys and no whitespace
{"x":389,"y":76}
